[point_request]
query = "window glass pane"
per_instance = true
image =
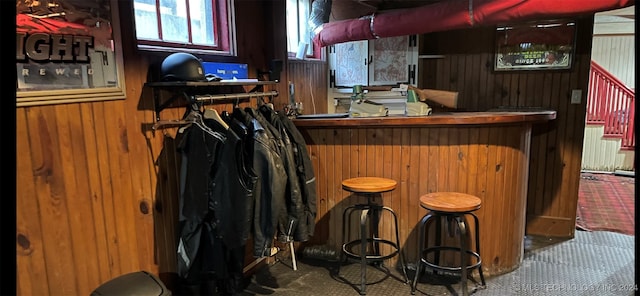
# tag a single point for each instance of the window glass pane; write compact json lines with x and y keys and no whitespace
{"x":174,"y":20}
{"x":298,"y":12}
{"x":304,"y":12}
{"x":202,"y":22}
{"x":198,"y":25}
{"x":146,"y":19}
{"x":292,"y":26}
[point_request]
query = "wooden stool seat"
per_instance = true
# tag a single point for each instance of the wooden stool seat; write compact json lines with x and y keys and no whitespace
{"x":454,"y":207}
{"x":369,"y":184}
{"x":451,"y":202}
{"x":366,"y":246}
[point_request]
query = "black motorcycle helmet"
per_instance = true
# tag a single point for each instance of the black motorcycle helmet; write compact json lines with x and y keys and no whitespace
{"x":182,"y":66}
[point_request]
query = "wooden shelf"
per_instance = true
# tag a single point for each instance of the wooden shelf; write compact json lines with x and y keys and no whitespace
{"x":214,"y":90}
{"x":171,"y":84}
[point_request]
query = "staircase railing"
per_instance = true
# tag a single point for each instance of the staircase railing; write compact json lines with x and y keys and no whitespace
{"x":611,"y":103}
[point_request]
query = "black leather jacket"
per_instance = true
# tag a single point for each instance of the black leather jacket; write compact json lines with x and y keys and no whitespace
{"x":269,"y":197}
{"x":217,"y":195}
{"x":198,"y":149}
{"x":258,"y":172}
{"x":306,"y":178}
{"x":231,"y":190}
{"x":298,"y":211}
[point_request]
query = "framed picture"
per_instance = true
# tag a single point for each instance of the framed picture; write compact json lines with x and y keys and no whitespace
{"x":543,"y":45}
{"x":68,"y":51}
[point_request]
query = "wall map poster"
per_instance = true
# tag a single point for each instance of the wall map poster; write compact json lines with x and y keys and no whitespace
{"x":67,"y":47}
{"x":538,"y":46}
{"x":390,"y":62}
{"x":351,"y":63}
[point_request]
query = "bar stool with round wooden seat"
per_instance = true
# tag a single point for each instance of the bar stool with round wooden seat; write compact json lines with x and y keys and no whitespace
{"x":455,"y":207}
{"x":370,"y":213}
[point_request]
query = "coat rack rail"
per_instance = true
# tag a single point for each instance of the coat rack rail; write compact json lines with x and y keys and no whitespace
{"x":160,"y":107}
{"x":236,"y":96}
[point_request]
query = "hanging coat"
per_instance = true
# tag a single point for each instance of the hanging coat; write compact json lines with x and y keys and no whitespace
{"x":306,"y":177}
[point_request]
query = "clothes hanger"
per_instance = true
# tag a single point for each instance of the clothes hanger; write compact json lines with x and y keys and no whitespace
{"x":270,"y":104}
{"x":208,"y":130}
{"x":266,"y":111}
{"x":187,"y":119}
{"x":196,"y":118}
{"x":190,"y":117}
{"x":211,"y":113}
{"x":238,"y":113}
{"x":236,"y":103}
{"x":164,"y":123}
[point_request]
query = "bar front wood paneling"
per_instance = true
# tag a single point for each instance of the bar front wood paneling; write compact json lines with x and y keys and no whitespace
{"x":488,"y":160}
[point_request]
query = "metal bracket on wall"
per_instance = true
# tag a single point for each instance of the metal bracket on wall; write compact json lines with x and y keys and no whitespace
{"x":332,"y":78}
{"x":412,"y":74}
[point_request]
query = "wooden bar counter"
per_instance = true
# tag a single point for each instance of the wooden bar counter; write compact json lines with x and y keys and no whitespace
{"x":481,"y":153}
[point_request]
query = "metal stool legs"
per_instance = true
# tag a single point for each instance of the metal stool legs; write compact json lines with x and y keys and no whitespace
{"x":370,"y":214}
{"x":459,"y":221}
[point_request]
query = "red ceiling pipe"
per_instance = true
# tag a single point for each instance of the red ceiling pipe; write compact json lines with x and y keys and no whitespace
{"x":457,"y":14}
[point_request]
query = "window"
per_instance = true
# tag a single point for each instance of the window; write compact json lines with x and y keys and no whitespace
{"x":298,"y":35}
{"x":197,"y":26}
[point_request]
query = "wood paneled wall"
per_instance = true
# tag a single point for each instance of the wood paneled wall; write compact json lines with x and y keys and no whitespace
{"x":96,"y":187}
{"x":311,"y":85}
{"x":556,"y":147}
{"x":487,"y":161}
{"x":467,"y":67}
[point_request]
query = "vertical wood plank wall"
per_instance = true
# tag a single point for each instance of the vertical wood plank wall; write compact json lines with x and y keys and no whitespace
{"x":311,"y":85}
{"x":96,"y":187}
{"x":489,"y":162}
{"x":556,"y":147}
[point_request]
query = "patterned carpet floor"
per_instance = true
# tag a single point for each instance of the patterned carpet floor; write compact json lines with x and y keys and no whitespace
{"x":606,"y":202}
